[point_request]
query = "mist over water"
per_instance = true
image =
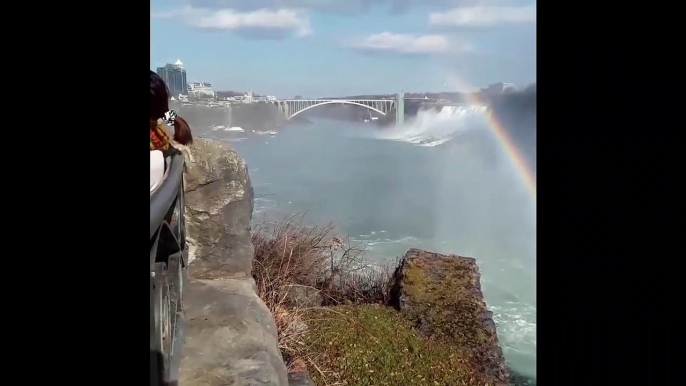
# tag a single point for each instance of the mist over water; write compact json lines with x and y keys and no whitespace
{"x":441,"y":182}
{"x":430,"y":128}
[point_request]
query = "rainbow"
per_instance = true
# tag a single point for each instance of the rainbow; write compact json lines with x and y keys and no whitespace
{"x":519,"y":161}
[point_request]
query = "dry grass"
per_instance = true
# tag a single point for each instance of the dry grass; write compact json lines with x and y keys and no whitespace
{"x":290,"y":254}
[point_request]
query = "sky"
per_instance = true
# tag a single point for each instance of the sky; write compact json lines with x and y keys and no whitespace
{"x":317,"y":48}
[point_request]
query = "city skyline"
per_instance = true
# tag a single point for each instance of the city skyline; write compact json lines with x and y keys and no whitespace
{"x":352,"y":47}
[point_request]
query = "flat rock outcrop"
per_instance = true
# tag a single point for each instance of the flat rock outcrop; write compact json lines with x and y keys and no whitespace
{"x":442,"y":295}
{"x":231,"y":336}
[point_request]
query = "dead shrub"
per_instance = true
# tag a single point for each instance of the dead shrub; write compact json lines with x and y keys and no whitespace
{"x":290,"y":253}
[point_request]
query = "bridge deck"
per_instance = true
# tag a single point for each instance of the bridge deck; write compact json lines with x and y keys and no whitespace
{"x":336,"y":100}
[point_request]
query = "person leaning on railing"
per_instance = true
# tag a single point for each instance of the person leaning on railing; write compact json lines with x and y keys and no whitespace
{"x":161,"y":149}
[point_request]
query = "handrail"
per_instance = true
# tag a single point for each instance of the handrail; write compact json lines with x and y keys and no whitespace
{"x":168,"y":268}
{"x":163,"y":198}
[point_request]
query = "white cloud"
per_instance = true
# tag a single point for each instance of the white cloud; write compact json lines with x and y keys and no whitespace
{"x":276,"y":23}
{"x":409,"y":44}
{"x":483,"y":16}
{"x":349,"y":7}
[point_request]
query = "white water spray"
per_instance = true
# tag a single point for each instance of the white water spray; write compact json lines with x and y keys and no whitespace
{"x":432,"y":128}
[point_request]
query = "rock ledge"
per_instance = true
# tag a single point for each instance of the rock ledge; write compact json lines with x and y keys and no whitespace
{"x":442,"y":295}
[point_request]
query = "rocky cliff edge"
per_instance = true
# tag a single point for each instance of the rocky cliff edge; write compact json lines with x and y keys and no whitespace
{"x":231,"y":336}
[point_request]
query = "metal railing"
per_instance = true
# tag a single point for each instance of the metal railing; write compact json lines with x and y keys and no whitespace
{"x":168,"y":272}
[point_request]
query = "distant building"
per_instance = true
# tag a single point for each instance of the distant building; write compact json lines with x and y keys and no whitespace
{"x":248,"y":98}
{"x":174,"y":75}
{"x":201,"y":90}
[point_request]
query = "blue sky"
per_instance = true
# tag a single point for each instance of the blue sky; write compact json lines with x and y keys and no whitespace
{"x":320,"y":48}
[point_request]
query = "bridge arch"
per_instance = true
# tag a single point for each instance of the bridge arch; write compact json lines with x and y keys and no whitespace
{"x":338,"y":102}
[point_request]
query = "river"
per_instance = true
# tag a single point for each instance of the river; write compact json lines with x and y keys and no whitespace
{"x":442,"y":182}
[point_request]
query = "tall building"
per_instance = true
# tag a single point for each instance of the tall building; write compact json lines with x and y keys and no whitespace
{"x":174,"y":75}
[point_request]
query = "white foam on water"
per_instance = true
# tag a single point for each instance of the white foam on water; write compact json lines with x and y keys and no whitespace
{"x":259,"y":132}
{"x":516,"y":327}
{"x":434,"y":142}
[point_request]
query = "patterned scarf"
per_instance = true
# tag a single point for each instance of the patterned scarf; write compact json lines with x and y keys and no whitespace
{"x":159,"y":139}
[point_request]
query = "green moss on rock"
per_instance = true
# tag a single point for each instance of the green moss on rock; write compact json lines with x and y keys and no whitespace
{"x":441,"y":295}
{"x":440,"y":298}
{"x":375,"y":345}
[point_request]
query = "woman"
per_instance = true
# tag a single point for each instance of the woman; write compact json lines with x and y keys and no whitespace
{"x":160,"y":147}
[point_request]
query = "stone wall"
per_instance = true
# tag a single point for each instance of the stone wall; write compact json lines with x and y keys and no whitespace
{"x":231,"y":336}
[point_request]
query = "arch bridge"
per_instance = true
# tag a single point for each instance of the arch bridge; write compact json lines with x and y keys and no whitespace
{"x":293,"y":107}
